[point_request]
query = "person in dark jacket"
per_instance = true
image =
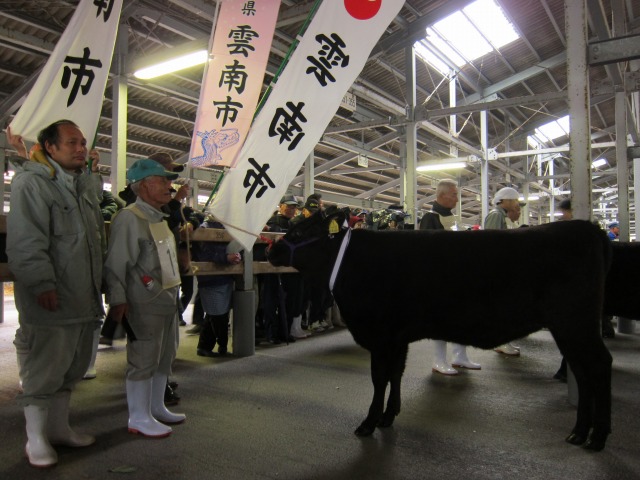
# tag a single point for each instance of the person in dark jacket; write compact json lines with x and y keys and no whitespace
{"x":215,"y":293}
{"x":281,"y":294}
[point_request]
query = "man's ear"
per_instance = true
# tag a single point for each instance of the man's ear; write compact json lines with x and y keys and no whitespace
{"x":47,"y":147}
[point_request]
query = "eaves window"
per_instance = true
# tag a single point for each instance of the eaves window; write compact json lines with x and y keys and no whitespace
{"x":548,"y":132}
{"x":462,"y":37}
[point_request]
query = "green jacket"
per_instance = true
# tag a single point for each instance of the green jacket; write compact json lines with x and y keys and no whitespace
{"x":496,"y":219}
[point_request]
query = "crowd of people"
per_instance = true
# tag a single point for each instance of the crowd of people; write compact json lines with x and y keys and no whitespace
{"x":65,"y":268}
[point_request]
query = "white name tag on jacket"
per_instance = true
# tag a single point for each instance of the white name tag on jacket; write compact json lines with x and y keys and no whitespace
{"x":166,"y":247}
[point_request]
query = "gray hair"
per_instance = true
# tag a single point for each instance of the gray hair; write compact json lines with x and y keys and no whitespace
{"x":135,"y":187}
{"x":444,"y":185}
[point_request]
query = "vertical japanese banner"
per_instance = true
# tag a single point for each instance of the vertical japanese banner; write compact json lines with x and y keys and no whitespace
{"x":328,"y":59}
{"x":71,"y":85}
{"x":233,"y":79}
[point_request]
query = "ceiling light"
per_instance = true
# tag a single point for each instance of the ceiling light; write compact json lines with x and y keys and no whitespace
{"x":599,"y":163}
{"x":430,"y":167}
{"x":530,"y":198}
{"x":179,"y":63}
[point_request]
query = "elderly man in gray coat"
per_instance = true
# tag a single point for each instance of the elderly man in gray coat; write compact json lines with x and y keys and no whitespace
{"x":143,"y":277}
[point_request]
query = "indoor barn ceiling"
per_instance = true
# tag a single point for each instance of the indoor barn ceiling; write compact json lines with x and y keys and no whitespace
{"x":532,"y":69}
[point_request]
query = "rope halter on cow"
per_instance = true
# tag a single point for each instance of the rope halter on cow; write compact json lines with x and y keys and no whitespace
{"x":294,"y":246}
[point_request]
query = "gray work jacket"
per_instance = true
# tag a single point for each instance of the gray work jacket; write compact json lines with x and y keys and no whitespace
{"x":55,"y":240}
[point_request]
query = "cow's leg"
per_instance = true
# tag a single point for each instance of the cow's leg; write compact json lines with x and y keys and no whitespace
{"x":590,"y":362}
{"x":399,"y":361}
{"x":380,"y":368}
{"x":580,"y":432}
{"x":571,"y":347}
{"x":600,"y":372}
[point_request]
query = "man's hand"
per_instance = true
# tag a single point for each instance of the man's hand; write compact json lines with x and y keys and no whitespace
{"x":117,"y":312}
{"x":48,"y":300}
{"x":17,"y":142}
{"x":182,"y":193}
{"x":234,"y":258}
{"x":94,"y":158}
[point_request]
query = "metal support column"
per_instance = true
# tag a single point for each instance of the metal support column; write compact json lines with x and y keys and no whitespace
{"x":580,"y":142}
{"x":524,"y":214}
{"x":578,"y":99}
{"x":453,"y":150}
{"x":625,"y":325}
{"x":484,"y":172}
{"x":622,"y":165}
{"x":119,"y":113}
{"x":309,"y":175}
{"x":410,"y":176}
{"x":244,"y":312}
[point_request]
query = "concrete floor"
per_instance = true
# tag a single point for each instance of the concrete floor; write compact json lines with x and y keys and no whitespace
{"x":289,"y":412}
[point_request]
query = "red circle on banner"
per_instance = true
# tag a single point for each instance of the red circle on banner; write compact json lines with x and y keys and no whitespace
{"x":362,"y":9}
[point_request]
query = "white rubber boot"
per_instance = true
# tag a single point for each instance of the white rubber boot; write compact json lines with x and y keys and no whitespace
{"x":139,"y":402}
{"x":58,"y":430}
{"x":336,"y":317}
{"x":91,"y":369}
{"x":440,"y":364}
{"x":158,"y":408}
{"x":460,"y":359}
{"x":38,"y":449}
{"x":296,"y":328}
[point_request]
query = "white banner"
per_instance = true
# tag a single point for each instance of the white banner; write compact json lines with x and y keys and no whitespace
{"x":330,"y":56}
{"x":233,"y":80}
{"x":71,"y":85}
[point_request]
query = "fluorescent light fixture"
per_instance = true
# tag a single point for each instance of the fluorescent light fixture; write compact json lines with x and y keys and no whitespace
{"x":530,"y":198}
{"x":179,"y":63}
{"x":599,"y":163}
{"x":430,"y":167}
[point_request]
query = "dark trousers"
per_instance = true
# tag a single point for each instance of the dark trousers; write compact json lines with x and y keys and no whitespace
{"x":282,"y":300}
{"x":318,"y":297}
{"x":186,"y":290}
{"x":215,"y":329}
{"x":198,"y":312}
{"x":109,"y":327}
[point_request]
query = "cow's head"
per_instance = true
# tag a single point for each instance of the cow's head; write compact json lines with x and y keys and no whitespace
{"x":310,"y":244}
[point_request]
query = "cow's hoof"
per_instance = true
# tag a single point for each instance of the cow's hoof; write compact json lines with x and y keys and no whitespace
{"x":595,"y":443}
{"x":576,"y":439}
{"x":364,"y":431}
{"x":386,"y":421}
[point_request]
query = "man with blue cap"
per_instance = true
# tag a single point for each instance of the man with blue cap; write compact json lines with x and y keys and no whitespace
{"x":614,"y":231}
{"x":142,"y":276}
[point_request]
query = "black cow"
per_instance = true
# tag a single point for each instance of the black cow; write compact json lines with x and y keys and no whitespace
{"x":407,"y":288}
{"x":623,"y":283}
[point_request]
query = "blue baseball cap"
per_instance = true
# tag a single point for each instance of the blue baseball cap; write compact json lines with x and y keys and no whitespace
{"x":146,"y":167}
{"x":614,"y":224}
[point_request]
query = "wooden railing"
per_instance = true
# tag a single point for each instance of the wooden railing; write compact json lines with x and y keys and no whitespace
{"x":199,"y":268}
